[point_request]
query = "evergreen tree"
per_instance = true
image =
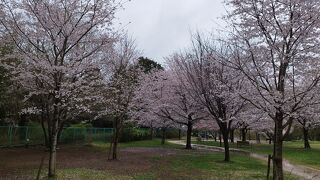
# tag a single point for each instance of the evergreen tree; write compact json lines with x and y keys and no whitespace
{"x":147,"y":64}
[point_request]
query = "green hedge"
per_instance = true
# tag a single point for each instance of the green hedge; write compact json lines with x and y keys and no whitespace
{"x":134,"y":134}
{"x":170,"y":133}
{"x":85,"y":135}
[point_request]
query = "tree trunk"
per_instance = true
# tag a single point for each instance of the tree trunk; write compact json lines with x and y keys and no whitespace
{"x":215,"y":136}
{"x":53,"y":150}
{"x":46,"y":141}
{"x":115,"y":145}
{"x":116,"y":140}
{"x":220,"y":142}
{"x":206,"y":135}
{"x":258,"y":138}
{"x":232,"y":135}
{"x":60,"y":133}
{"x":277,"y":149}
{"x":243,"y":134}
{"x":163,"y":139}
{"x":49,"y":127}
{"x":306,"y":138}
{"x":225,"y":135}
{"x":151,"y":133}
{"x":270,"y":138}
{"x":189,"y":133}
{"x":179,"y":134}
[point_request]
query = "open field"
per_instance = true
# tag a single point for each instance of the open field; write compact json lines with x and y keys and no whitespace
{"x":138,"y":160}
{"x":293,"y":151}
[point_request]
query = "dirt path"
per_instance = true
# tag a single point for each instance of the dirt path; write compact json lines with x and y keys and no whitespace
{"x":298,"y":170}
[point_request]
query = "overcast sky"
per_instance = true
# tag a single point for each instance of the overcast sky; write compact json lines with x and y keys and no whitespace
{"x":161,"y":27}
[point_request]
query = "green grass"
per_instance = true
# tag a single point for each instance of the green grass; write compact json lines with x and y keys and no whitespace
{"x":86,"y":174}
{"x":149,"y":143}
{"x":210,"y":166}
{"x":145,"y":176}
{"x":194,"y":165}
{"x":83,"y":174}
{"x":188,"y":166}
{"x":292,"y":150}
{"x":146,"y":143}
{"x":181,"y":164}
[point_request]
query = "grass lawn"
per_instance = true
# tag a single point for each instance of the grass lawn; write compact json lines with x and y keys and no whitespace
{"x":293,"y":151}
{"x":189,"y":166}
{"x":211,"y":166}
{"x":146,"y":143}
{"x":83,"y":174}
{"x":142,"y":160}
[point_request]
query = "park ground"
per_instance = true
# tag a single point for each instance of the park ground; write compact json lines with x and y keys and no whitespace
{"x":293,"y":151}
{"x":142,"y":160}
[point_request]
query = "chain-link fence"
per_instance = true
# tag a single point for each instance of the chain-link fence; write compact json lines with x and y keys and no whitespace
{"x":24,"y":135}
{"x":19,"y":136}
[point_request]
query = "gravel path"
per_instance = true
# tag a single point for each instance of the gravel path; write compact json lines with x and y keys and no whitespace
{"x":298,"y":170}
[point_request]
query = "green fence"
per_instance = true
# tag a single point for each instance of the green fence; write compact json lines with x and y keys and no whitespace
{"x":24,"y":135}
{"x":18,"y":136}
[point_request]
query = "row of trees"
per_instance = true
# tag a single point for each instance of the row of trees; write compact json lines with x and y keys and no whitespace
{"x":275,"y":45}
{"x":263,"y":75}
{"x":67,"y":60}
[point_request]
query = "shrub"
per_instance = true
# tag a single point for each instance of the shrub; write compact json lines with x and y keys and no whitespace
{"x":170,"y":133}
{"x":134,"y":134}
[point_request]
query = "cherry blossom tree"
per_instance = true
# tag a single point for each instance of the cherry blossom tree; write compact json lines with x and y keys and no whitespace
{"x":146,"y":66}
{"x":277,"y":49}
{"x":61,"y":44}
{"x":183,"y":110}
{"x":209,"y":126}
{"x":211,"y":84}
{"x":161,"y":95}
{"x":247,"y":119}
{"x":148,"y":106}
{"x":11,"y":94}
{"x":119,"y":74}
{"x":264,"y":126}
{"x":308,"y":119}
{"x":256,"y":120}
